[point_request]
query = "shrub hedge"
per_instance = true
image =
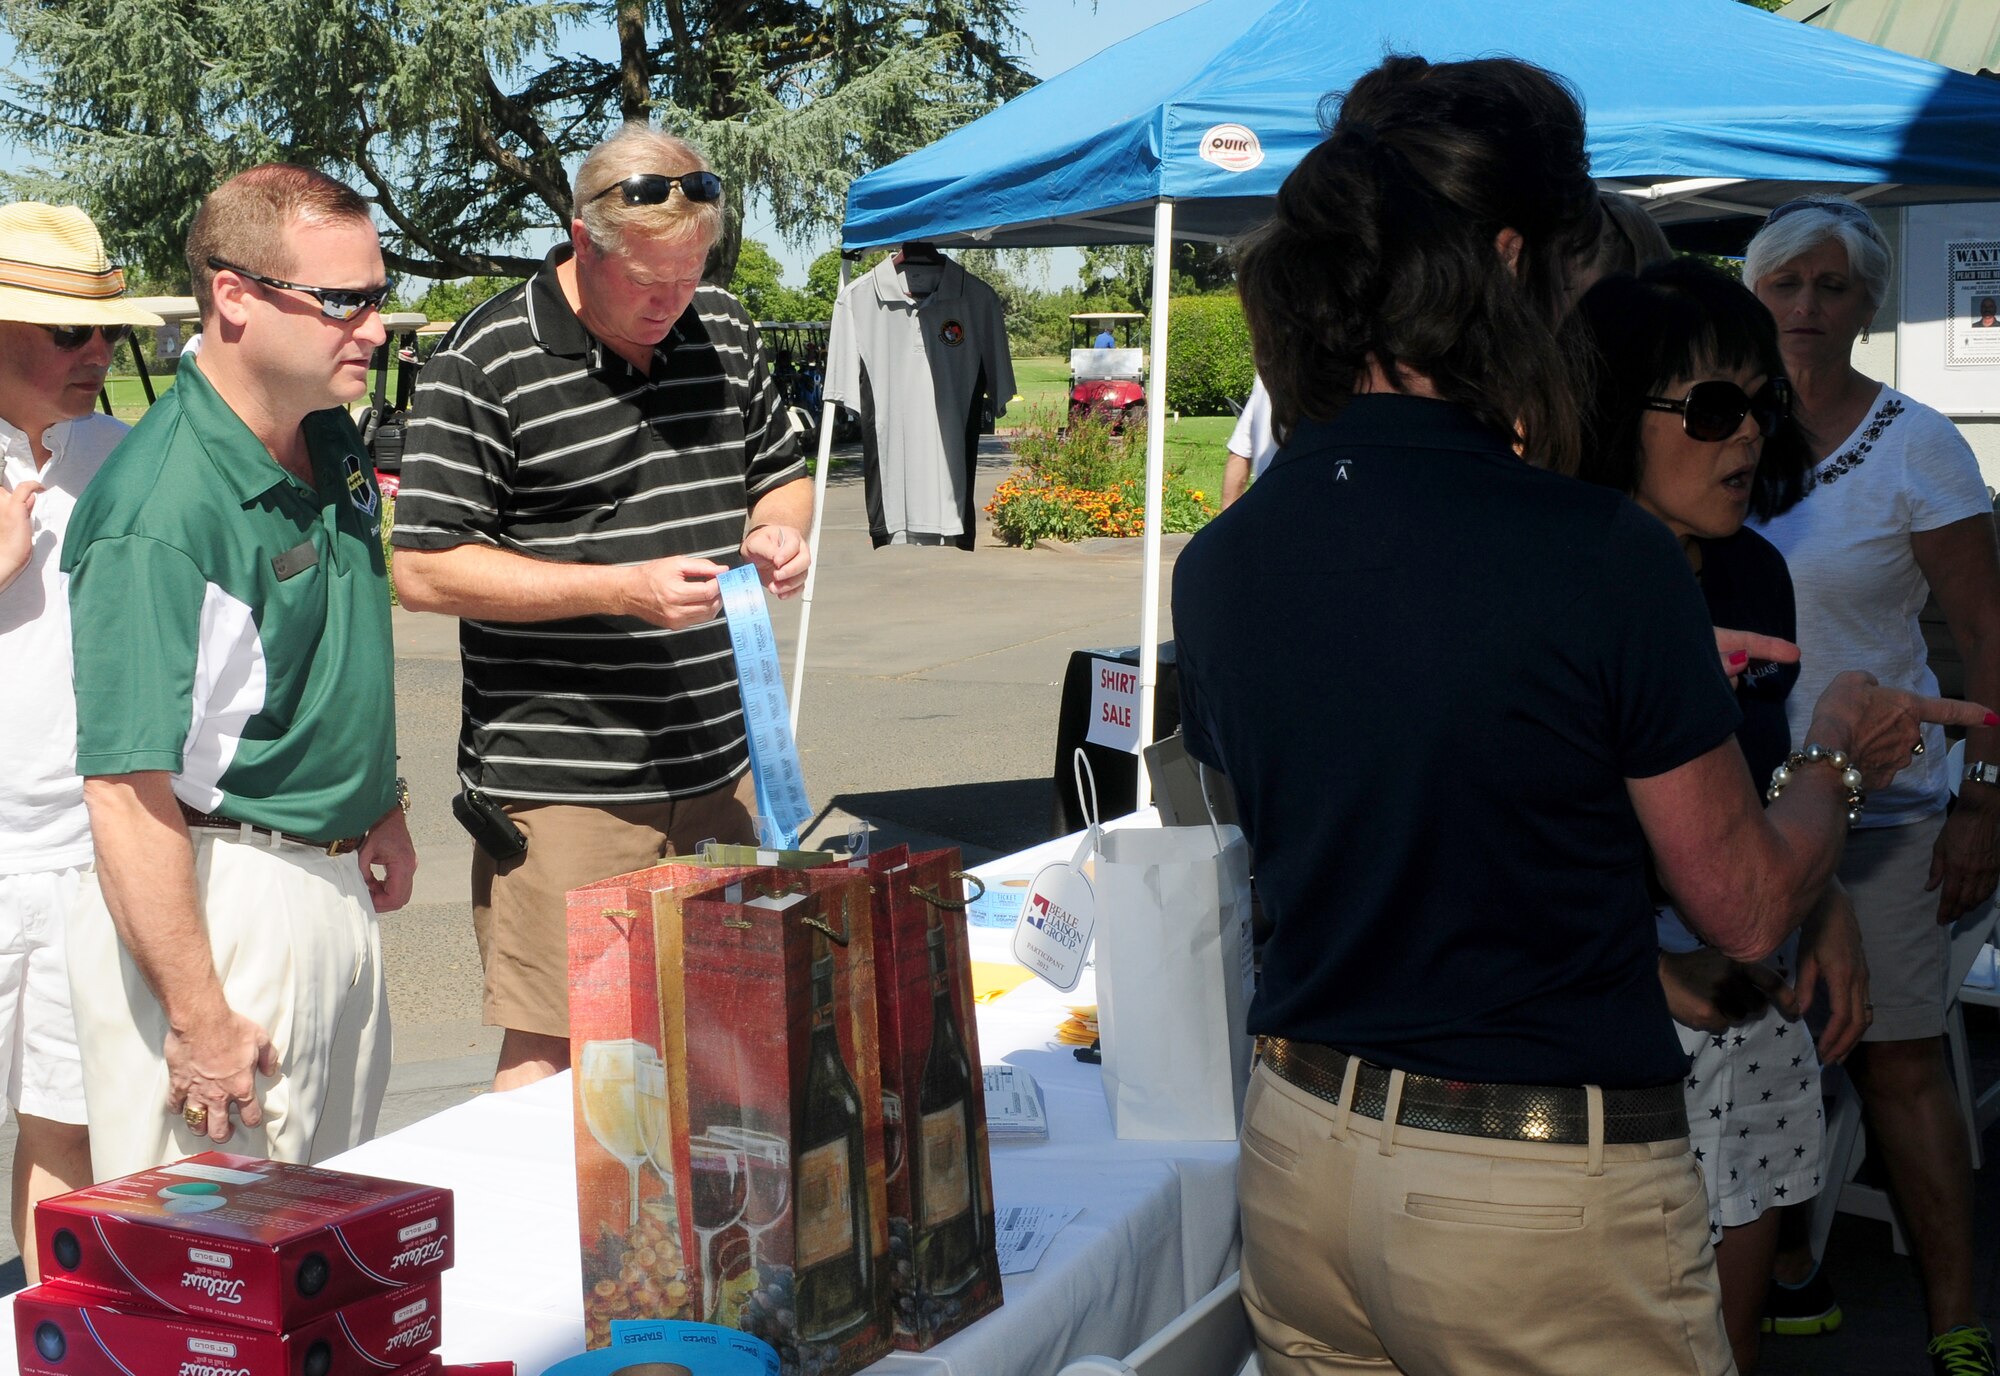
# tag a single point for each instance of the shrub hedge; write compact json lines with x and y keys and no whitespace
{"x":1208,"y":355}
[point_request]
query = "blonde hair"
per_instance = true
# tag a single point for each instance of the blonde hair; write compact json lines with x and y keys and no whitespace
{"x":1632,"y":239}
{"x":244,"y":221}
{"x":634,"y":149}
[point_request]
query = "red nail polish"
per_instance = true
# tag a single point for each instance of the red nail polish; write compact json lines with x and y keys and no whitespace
{"x":1991,"y":720}
{"x":1740,"y":657}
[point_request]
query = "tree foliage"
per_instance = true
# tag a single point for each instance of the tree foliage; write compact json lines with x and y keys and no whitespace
{"x":461,"y":118}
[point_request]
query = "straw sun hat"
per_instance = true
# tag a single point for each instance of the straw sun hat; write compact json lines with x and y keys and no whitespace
{"x":53,"y":270}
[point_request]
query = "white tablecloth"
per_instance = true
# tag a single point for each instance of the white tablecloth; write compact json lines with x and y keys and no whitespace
{"x":1157,"y":1231}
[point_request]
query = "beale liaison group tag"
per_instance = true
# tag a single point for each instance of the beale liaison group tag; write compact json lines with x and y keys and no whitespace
{"x":1057,"y":918}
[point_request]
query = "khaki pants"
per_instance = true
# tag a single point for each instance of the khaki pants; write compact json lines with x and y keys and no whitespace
{"x":294,"y":938}
{"x":520,"y":909}
{"x":1398,"y":1250}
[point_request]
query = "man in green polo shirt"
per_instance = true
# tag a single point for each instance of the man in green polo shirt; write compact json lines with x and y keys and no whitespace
{"x":236,"y":721}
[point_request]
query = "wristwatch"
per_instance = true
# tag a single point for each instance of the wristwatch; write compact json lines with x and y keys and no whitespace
{"x":1980,"y":772}
{"x":402,"y":793}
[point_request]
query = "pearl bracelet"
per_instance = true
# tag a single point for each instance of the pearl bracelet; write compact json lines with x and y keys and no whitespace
{"x":1850,"y":777}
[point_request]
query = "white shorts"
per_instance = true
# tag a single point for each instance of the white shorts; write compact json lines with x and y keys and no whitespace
{"x":38,"y":1055}
{"x":1755,"y":1121}
{"x":294,"y":939}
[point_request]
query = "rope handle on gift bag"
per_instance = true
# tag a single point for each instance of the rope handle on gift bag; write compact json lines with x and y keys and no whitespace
{"x":938,"y":900}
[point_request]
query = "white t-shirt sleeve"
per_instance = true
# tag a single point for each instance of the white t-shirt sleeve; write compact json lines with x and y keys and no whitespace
{"x":1942,"y":483}
{"x":1252,"y":438}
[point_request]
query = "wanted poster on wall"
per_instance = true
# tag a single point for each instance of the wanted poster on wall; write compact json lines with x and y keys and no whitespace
{"x":1972,"y":326}
{"x":1948,"y":333}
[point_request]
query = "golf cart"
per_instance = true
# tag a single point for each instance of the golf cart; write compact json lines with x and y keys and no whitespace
{"x":797,"y":353}
{"x":1107,"y":382}
{"x":412,"y":339}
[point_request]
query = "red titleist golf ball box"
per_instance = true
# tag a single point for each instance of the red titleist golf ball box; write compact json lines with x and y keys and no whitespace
{"x":254,"y":1243}
{"x":59,"y":1332}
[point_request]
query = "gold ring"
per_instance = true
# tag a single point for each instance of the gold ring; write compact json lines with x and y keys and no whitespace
{"x":196,"y":1117}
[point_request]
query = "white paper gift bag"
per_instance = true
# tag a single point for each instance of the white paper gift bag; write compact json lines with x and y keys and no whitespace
{"x":1174,"y":980}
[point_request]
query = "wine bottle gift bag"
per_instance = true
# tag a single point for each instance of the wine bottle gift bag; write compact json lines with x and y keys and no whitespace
{"x":638,"y":1250}
{"x":1174,"y":980}
{"x":773,"y":986}
{"x":943,"y":1264}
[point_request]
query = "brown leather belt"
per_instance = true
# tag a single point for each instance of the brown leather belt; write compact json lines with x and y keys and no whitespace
{"x":1512,"y":1113}
{"x":213,"y":822}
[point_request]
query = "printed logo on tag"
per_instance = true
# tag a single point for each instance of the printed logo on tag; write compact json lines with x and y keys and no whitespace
{"x":1056,"y":922}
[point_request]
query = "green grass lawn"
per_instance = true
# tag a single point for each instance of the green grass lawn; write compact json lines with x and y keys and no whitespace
{"x":128,"y":396}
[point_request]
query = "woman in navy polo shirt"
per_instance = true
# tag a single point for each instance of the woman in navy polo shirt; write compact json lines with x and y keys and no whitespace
{"x":1461,"y":698}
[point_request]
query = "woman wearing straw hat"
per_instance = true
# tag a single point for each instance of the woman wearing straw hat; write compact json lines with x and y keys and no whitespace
{"x":62,"y":313}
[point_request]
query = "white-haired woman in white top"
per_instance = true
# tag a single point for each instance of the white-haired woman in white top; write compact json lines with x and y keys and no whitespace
{"x":1896,"y":508}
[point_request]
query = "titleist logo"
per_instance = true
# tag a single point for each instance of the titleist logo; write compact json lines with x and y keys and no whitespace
{"x":219,"y":1288}
{"x":212,"y":1369}
{"x":423,"y":1254}
{"x":410,"y":1337}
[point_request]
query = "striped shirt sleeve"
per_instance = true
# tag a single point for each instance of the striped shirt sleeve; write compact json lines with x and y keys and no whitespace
{"x":771,"y":432}
{"x":458,"y":459}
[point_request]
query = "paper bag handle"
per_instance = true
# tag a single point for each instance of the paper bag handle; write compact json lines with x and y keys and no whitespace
{"x":1208,"y":804}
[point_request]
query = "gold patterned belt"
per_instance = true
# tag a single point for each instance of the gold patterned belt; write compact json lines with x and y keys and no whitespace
{"x":1512,"y":1113}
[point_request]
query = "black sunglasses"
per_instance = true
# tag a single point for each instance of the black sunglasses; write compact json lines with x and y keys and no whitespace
{"x":653,"y":188}
{"x":335,"y":303}
{"x":70,"y":338}
{"x":1712,"y":411}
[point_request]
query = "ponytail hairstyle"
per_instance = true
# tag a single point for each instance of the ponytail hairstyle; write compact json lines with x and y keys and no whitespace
{"x":1383,"y":246}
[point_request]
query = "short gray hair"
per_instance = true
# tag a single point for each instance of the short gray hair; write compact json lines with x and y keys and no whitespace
{"x":632,"y":149}
{"x":1798,"y":227}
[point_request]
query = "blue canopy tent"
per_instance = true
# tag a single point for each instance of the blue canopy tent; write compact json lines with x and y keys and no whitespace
{"x":1702,"y":108}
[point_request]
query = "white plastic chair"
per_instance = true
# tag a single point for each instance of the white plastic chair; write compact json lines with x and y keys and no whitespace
{"x":1211,"y":1339}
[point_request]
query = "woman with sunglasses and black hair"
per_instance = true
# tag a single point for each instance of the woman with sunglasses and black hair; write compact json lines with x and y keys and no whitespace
{"x":1690,"y":417}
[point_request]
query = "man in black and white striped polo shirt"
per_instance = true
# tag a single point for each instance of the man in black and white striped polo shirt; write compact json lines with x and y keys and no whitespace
{"x":583,"y":452}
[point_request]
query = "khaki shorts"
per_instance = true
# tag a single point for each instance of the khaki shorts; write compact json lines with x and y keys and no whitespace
{"x":520,"y":909}
{"x":1884,"y":871}
{"x":1431,"y":1254}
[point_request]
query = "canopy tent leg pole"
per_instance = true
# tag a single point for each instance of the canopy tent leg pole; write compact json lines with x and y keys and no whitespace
{"x":1156,"y":471}
{"x":824,"y":462}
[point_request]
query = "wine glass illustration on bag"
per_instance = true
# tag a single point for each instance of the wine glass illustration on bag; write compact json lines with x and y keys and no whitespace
{"x":618,"y":1115}
{"x":769,"y":1160}
{"x":718,"y":1188}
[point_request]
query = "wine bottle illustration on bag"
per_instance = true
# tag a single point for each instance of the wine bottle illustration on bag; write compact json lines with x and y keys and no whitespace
{"x":833,"y":1261}
{"x":947,"y":1180}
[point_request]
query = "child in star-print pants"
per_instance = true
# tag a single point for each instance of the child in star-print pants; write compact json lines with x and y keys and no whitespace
{"x":1754,"y":1115}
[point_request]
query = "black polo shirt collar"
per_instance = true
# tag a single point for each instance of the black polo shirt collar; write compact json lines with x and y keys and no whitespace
{"x":1391,"y":420}
{"x":558,"y":329}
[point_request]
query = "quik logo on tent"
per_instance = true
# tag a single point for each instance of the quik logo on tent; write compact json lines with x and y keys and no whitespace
{"x":1232,"y":148}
